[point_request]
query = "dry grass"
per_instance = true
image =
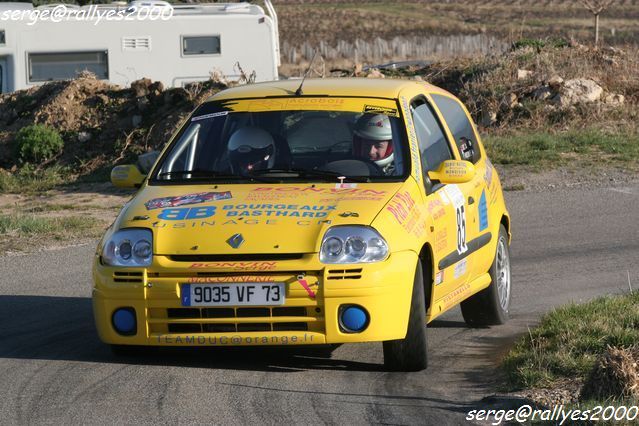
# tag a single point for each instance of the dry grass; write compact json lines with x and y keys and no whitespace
{"x":330,"y":21}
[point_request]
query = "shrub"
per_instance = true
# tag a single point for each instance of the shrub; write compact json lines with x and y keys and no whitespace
{"x":37,"y":143}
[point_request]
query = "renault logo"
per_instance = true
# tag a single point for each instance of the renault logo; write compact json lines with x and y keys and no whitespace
{"x":235,"y":241}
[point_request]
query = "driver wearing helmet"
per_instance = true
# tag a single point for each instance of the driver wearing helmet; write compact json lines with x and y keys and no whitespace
{"x":251,"y":148}
{"x":373,"y":139}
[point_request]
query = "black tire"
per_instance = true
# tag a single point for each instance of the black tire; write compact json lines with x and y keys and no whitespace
{"x":491,"y":306}
{"x":410,"y":353}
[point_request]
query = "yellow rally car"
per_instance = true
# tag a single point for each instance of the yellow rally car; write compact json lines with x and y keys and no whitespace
{"x":336,"y":211}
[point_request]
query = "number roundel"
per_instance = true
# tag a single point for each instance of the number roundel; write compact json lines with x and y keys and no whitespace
{"x":461,"y":230}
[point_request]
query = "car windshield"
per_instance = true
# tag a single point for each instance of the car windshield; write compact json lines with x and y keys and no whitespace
{"x":330,"y":140}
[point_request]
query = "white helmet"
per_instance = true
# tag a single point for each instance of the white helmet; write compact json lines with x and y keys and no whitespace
{"x":376,"y":127}
{"x":251,"y":148}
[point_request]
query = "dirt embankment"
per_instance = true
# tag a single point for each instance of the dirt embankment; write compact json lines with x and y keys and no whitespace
{"x":536,"y":87}
{"x":101,"y":124}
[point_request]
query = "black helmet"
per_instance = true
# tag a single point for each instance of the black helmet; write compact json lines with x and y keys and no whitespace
{"x":251,"y":148}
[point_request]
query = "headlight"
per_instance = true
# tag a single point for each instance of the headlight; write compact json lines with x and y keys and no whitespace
{"x":353,"y":244}
{"x":129,"y":247}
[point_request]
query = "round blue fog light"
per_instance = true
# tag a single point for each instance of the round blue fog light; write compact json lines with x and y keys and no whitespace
{"x":353,"y":319}
{"x":124,"y":321}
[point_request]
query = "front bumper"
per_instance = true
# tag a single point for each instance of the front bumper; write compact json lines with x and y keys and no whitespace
{"x":383,"y":289}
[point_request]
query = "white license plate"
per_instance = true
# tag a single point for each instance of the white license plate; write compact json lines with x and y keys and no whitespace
{"x":236,"y":294}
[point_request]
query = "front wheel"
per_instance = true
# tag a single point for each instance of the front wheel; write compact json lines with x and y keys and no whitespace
{"x":410,"y":353}
{"x":491,"y":305}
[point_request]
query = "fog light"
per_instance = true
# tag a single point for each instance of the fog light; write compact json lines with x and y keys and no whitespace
{"x":124,"y":321}
{"x":353,"y":318}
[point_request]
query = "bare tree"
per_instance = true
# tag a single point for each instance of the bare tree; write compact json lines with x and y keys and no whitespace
{"x":596,"y":7}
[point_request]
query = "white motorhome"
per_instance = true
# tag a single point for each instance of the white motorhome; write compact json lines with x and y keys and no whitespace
{"x":174,"y":44}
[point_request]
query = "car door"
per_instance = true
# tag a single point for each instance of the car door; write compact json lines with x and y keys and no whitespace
{"x":442,"y":202}
{"x":466,"y":144}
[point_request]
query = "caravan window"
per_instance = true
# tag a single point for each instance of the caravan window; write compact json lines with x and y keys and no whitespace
{"x":3,"y":40}
{"x":201,"y":45}
{"x":66,"y":65}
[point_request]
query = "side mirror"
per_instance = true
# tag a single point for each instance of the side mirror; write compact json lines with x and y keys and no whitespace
{"x":453,"y":171}
{"x":127,"y":176}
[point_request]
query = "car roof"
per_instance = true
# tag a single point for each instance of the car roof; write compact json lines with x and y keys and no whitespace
{"x":364,"y":87}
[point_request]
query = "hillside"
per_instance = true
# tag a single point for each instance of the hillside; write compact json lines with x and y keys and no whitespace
{"x":538,"y":104}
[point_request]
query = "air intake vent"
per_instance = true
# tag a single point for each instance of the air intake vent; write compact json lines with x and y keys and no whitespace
{"x":345,"y":274}
{"x":128,"y":277}
{"x":136,"y":44}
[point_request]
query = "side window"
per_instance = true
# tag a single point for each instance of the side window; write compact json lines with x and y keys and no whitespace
{"x":433,"y":145}
{"x":460,"y":127}
{"x":201,"y":45}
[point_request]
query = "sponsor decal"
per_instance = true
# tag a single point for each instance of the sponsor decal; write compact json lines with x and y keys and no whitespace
{"x":330,"y":195}
{"x":248,"y":222}
{"x":277,"y":210}
{"x":483,"y":212}
{"x":455,"y":168}
{"x":182,"y":200}
{"x":412,"y":139}
{"x":212,"y":115}
{"x":488,"y":176}
{"x":231,"y":279}
{"x":342,"y":185}
{"x":407,"y":213}
{"x":247,"y":210}
{"x":374,"y":109}
{"x":435,"y":208}
{"x":304,"y":284}
{"x":187,"y":213}
{"x":455,"y":296}
{"x":236,"y":266}
{"x":295,"y":103}
{"x":171,"y":339}
{"x":460,"y":268}
{"x":441,"y":240}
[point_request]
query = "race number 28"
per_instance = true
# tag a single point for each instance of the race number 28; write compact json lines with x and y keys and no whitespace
{"x":461,"y":230}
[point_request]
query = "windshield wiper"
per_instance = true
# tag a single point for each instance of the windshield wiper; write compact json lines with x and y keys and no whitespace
{"x":198,"y":173}
{"x":326,"y":174}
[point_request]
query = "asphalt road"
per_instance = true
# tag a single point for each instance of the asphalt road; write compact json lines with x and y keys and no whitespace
{"x":568,"y":245}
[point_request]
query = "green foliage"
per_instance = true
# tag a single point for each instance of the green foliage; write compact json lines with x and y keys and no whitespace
{"x":568,"y":341}
{"x":28,"y":179}
{"x":37,"y":143}
{"x":545,"y":149}
{"x":34,"y":225}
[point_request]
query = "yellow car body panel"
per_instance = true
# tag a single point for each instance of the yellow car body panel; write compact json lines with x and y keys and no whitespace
{"x":283,"y":225}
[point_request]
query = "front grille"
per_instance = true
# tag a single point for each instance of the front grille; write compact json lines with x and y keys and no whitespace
{"x":344,"y":274}
{"x":236,"y":320}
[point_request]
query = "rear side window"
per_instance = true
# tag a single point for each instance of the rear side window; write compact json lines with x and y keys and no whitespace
{"x":460,"y":127}
{"x":433,"y":145}
{"x":66,"y":65}
{"x":201,"y":45}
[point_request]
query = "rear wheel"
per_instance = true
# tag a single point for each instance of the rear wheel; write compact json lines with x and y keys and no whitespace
{"x":410,"y":353}
{"x":491,"y":305}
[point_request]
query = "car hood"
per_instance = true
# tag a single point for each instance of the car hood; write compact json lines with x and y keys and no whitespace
{"x":290,"y":218}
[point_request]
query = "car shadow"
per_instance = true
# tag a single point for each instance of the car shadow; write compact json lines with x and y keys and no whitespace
{"x":61,"y":328}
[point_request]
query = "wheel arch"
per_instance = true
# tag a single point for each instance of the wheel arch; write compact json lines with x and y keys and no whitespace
{"x":426,"y":257}
{"x":505,"y":220}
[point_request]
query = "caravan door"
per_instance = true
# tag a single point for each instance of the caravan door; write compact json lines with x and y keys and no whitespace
{"x":3,"y":75}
